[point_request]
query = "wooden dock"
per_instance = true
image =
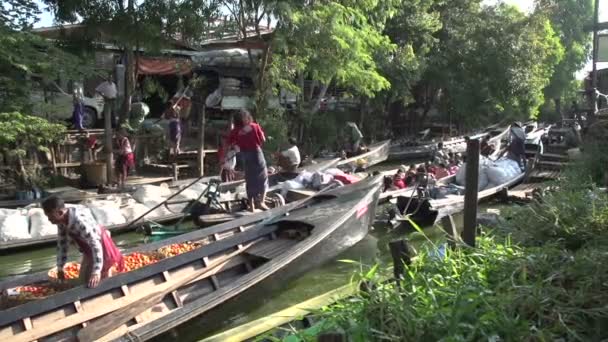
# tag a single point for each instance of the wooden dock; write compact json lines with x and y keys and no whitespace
{"x":544,"y":175}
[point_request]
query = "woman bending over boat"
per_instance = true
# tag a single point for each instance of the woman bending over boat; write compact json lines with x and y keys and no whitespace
{"x":99,"y":253}
{"x":249,"y":137}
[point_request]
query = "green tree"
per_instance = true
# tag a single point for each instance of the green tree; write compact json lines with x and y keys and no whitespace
{"x":26,"y":58}
{"x":569,"y":19}
{"x":25,"y":135}
{"x":150,"y":24}
{"x":489,"y":62}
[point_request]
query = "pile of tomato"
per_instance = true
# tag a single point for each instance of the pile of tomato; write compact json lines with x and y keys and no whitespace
{"x":33,"y":291}
{"x":177,"y":249}
{"x":137,"y":260}
{"x":132,"y":261}
{"x":71,"y":270}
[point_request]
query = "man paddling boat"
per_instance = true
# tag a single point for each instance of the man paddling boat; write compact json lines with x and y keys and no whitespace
{"x":99,"y":253}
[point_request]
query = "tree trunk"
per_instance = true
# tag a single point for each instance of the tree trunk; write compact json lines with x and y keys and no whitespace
{"x":558,"y":107}
{"x":129,"y":83}
{"x":317,"y":104}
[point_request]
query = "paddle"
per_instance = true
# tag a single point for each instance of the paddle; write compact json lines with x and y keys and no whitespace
{"x":163,"y":202}
{"x":115,"y":319}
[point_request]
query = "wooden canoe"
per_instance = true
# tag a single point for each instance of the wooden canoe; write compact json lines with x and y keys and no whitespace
{"x":496,"y":140}
{"x":427,"y":211}
{"x":281,"y":247}
{"x":20,"y":244}
{"x":426,"y":149}
{"x":317,"y":165}
{"x":235,"y":191}
{"x":13,"y":245}
{"x":377,"y":153}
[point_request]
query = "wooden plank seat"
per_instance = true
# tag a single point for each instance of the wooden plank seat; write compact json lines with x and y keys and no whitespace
{"x":269,"y":249}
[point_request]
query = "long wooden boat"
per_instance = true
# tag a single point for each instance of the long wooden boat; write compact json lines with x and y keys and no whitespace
{"x":19,"y":244}
{"x":496,"y":140}
{"x":13,"y":245}
{"x":426,"y":149}
{"x":377,"y":153}
{"x":235,"y":257}
{"x":429,"y":211}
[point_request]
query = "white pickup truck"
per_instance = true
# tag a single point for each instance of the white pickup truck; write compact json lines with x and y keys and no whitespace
{"x":57,"y":104}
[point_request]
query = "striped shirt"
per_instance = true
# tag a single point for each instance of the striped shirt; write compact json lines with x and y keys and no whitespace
{"x":81,"y":224}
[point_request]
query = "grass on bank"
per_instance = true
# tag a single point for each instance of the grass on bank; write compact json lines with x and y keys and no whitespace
{"x":541,"y":276}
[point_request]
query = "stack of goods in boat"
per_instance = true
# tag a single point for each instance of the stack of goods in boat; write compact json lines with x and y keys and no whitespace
{"x":31,"y":222}
{"x":491,"y":174}
{"x":318,"y":180}
{"x":133,"y":261}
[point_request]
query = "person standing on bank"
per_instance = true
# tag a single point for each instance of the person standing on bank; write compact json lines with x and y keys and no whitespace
{"x":354,"y":136}
{"x":125,"y":159}
{"x":99,"y":253}
{"x":248,"y":137}
{"x":107,"y":90}
{"x":78,"y":110}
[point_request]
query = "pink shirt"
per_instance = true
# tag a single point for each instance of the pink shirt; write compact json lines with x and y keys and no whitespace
{"x":124,"y":146}
{"x":250,"y":140}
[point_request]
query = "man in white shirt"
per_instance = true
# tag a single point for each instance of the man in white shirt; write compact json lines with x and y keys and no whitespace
{"x":108,"y":90}
{"x":290,"y":159}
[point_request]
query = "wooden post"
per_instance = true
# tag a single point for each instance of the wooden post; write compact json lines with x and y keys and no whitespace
{"x":201,"y":142}
{"x":401,"y":257}
{"x":595,"y":57}
{"x":175,"y":171}
{"x":53,"y":160}
{"x":448,"y":225}
{"x":470,"y":192}
{"x":107,"y":119}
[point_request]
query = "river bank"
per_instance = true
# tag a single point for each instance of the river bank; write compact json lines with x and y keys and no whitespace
{"x":539,"y":274}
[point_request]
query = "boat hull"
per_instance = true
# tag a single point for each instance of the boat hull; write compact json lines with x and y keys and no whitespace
{"x":346,"y":235}
{"x":230,"y":260}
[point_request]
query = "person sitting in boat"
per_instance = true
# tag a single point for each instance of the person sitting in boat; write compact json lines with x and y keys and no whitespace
{"x":399,"y":179}
{"x":424,"y":181}
{"x":453,"y":167}
{"x":440,"y":155}
{"x":441,"y":171}
{"x":289,"y":159}
{"x":410,"y":174}
{"x":430,"y":168}
{"x":486,"y":149}
{"x":458,"y":159}
{"x":99,"y":253}
{"x":248,"y":137}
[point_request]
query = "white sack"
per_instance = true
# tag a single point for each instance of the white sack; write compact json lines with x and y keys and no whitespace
{"x":290,"y":185}
{"x":14,"y":227}
{"x":107,"y":213}
{"x":40,"y":224}
{"x":146,"y":193}
{"x":482,"y":181}
{"x":133,"y":211}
